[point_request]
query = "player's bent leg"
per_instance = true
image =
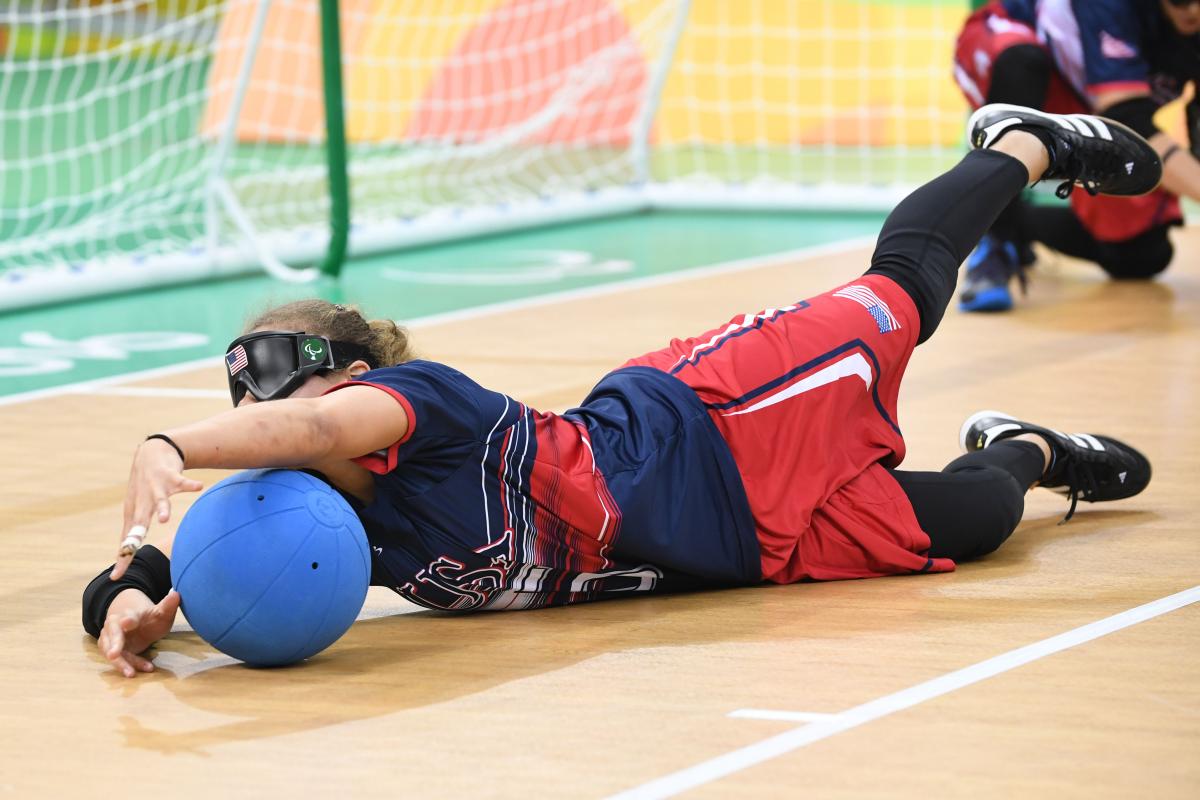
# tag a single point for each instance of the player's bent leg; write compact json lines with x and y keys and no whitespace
{"x":1101,"y":155}
{"x":1059,"y":228}
{"x":931,"y":231}
{"x":968,"y":512}
{"x":972,"y":506}
{"x":1126,"y":236}
{"x":1139,"y":258}
{"x":993,"y":48}
{"x":1021,"y":76}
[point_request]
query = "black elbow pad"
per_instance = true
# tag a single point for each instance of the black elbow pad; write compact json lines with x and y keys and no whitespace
{"x":1136,"y":113}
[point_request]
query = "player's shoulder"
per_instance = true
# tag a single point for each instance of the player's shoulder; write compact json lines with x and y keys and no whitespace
{"x":416,"y":370}
{"x":423,"y":381}
{"x":441,"y":384}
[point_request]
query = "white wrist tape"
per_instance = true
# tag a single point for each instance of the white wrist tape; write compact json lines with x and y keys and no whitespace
{"x":133,"y":540}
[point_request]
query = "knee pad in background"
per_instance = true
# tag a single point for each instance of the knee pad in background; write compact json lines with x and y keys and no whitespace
{"x":1140,"y":258}
{"x":1021,"y":76}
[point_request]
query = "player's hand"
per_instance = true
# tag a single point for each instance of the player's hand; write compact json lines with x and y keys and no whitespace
{"x":156,"y":474}
{"x":132,"y":625}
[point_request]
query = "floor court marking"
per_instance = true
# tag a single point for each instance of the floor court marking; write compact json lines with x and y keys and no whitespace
{"x":616,"y":287}
{"x":737,"y":760}
{"x":786,"y":716}
{"x":156,"y":391}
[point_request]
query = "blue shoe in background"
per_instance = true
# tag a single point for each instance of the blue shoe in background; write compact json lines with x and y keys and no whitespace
{"x":990,"y":269}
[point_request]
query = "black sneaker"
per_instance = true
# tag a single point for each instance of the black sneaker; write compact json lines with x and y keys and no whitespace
{"x":1083,"y":466}
{"x":1102,"y":156}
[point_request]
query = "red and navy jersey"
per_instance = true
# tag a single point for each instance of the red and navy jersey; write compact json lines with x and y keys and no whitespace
{"x":1105,"y":45}
{"x":805,"y":398}
{"x":487,"y":503}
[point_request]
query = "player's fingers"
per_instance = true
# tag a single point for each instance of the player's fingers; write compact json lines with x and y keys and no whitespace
{"x":122,"y":659}
{"x":162,"y":508}
{"x":190,"y":485}
{"x":112,"y":638}
{"x":137,"y":662}
{"x":119,"y":663}
{"x":169,"y":605}
{"x":141,"y":507}
{"x":135,"y":535}
{"x":102,"y":642}
{"x":120,"y":566}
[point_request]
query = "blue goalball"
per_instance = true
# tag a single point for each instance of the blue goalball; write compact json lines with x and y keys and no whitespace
{"x":272,"y":566}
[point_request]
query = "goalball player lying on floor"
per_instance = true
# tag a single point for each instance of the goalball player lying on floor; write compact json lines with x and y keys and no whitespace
{"x":763,"y":450}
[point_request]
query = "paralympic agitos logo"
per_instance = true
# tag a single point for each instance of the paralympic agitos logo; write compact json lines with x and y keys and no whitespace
{"x":314,"y":349}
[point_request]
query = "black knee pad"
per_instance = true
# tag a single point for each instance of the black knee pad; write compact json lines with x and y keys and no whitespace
{"x":1140,"y":258}
{"x":1021,"y":75}
{"x":998,"y":503}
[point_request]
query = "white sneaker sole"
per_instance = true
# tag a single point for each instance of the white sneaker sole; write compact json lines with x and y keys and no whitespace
{"x":971,"y":420}
{"x":1085,"y":124}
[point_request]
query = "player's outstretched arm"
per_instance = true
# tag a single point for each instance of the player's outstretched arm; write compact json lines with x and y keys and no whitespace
{"x":295,"y":432}
{"x":1136,"y":109}
{"x":1181,"y":169}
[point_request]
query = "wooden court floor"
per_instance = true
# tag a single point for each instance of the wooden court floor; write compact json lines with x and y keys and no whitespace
{"x":982,"y":683}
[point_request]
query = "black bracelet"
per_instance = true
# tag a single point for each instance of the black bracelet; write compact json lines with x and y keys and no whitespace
{"x":1170,"y":151}
{"x":168,"y":440}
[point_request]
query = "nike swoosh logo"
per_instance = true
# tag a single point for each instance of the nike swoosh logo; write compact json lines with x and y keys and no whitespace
{"x":853,"y":365}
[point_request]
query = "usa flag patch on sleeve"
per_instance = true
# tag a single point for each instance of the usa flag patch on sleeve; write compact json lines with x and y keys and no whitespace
{"x":878,"y":309}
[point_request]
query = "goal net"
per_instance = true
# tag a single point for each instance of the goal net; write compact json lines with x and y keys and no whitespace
{"x":148,"y":141}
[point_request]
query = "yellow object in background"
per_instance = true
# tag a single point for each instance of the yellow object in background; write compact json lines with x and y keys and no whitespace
{"x":846,"y":73}
{"x":842,"y":72}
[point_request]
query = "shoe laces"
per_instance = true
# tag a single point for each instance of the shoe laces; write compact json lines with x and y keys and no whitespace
{"x":1104,"y":159}
{"x":1079,"y":476}
{"x":1066,"y":187}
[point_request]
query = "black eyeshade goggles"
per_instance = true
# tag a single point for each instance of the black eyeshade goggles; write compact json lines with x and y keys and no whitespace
{"x":273,"y":364}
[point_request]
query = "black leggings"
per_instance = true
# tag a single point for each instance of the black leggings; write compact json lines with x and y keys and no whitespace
{"x":974,"y":504}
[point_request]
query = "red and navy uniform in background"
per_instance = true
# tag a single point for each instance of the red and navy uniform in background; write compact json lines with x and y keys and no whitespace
{"x":1097,"y":46}
{"x":753,"y":452}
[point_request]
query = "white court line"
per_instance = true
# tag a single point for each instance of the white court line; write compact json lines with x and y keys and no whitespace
{"x":83,"y":387}
{"x":615,"y":287}
{"x":156,"y":391}
{"x":787,"y":716}
{"x":665,"y":279}
{"x":737,"y":760}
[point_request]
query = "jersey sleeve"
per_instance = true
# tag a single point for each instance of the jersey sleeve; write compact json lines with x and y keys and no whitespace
{"x":1112,"y":42}
{"x":443,"y":412}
